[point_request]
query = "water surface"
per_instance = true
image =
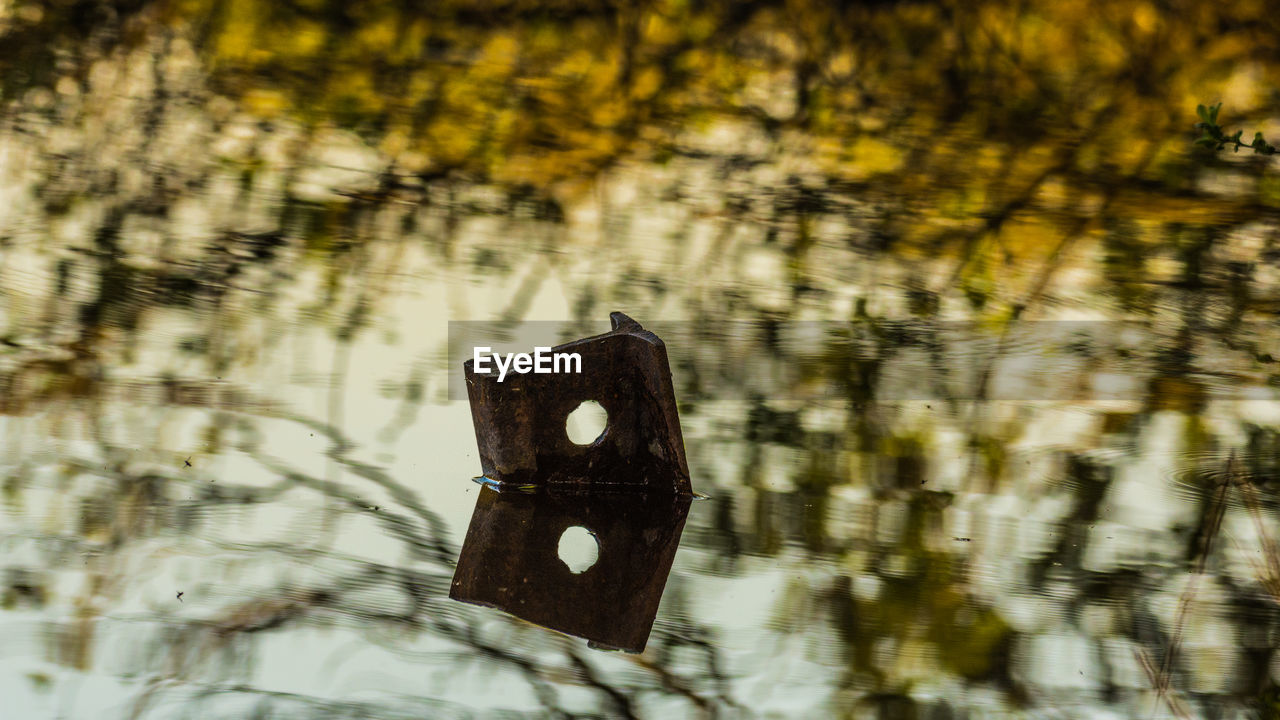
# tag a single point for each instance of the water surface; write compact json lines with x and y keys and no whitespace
{"x":975,"y":351}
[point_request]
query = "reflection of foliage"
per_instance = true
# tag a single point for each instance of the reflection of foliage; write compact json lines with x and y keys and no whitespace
{"x":545,"y":94}
{"x":978,"y":132}
{"x":554,"y":91}
{"x":922,"y":600}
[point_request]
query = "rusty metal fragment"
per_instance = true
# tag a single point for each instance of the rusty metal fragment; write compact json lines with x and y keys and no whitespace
{"x":510,"y":561}
{"x":520,"y":422}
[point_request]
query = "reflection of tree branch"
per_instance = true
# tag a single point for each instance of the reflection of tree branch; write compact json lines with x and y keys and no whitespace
{"x":621,"y":701}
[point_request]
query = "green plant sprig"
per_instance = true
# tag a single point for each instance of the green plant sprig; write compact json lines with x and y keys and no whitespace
{"x":1215,"y":137}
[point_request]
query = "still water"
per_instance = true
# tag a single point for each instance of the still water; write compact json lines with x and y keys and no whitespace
{"x":975,"y":351}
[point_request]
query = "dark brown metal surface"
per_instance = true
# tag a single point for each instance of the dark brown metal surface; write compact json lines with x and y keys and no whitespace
{"x":520,"y":422}
{"x":510,"y":561}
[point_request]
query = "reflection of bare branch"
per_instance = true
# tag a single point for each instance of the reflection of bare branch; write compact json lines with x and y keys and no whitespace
{"x":621,"y":702}
{"x":1269,"y":573}
{"x":1212,"y":517}
{"x":1176,"y":706}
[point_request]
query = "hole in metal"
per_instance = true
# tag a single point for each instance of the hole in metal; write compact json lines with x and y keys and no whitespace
{"x":586,"y":423}
{"x":578,"y":549}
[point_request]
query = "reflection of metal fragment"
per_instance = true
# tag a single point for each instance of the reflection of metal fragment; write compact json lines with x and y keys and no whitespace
{"x":520,"y":422}
{"x":510,"y":561}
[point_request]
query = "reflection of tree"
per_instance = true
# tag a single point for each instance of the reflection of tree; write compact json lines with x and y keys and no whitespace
{"x":130,"y":509}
